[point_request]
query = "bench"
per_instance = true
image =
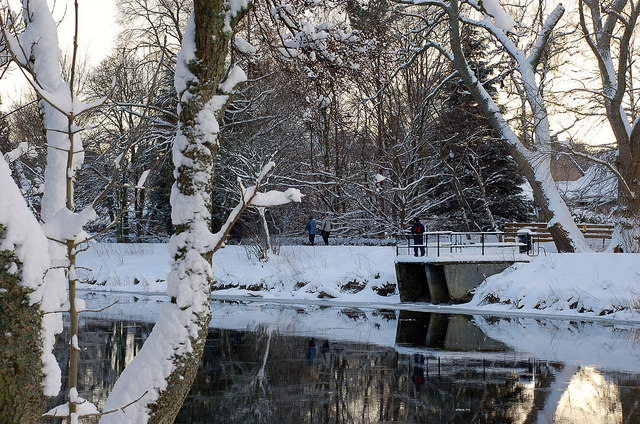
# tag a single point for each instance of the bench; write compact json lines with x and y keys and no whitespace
{"x":541,"y":233}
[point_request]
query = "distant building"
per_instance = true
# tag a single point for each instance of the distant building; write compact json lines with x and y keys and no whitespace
{"x":565,"y":168}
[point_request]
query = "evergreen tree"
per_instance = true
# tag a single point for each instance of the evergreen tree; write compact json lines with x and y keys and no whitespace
{"x":484,"y":181}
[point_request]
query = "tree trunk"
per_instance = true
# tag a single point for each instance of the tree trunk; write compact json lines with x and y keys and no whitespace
{"x":171,"y":356}
{"x":628,"y":211}
{"x":21,"y":393}
{"x":611,"y":40}
{"x":534,"y":161}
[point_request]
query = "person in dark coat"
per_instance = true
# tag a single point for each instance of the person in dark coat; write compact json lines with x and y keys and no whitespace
{"x":311,"y":229}
{"x":417,"y":229}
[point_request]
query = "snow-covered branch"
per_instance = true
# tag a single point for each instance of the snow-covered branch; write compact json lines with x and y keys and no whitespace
{"x":541,"y":42}
{"x":251,"y":196}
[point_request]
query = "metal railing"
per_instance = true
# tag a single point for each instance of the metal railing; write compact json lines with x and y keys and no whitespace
{"x":436,"y":243}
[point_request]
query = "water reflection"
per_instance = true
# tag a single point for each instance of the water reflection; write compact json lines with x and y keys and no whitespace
{"x":310,"y":364}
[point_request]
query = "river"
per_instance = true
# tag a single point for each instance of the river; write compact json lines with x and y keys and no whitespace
{"x":315,"y":363}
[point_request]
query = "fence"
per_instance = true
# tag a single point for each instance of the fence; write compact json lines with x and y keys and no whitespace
{"x":450,"y":242}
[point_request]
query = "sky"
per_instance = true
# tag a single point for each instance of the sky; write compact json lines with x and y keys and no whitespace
{"x":97,"y":30}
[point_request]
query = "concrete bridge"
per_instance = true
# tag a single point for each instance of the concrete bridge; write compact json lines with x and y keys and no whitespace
{"x":459,"y":263}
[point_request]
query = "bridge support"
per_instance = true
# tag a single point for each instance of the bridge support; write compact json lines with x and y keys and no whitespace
{"x":414,"y":282}
{"x":444,"y":281}
{"x":437,"y":282}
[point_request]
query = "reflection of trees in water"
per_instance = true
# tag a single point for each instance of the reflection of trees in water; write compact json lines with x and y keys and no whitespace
{"x":107,"y":347}
{"x":344,"y":382}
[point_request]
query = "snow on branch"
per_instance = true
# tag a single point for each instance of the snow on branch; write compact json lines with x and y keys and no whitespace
{"x":501,"y":18}
{"x":304,"y":40}
{"x":276,"y":198}
{"x":17,"y":153}
{"x":549,"y":24}
{"x":84,"y":408}
{"x":235,"y":77}
{"x":235,"y":10}
{"x":243,"y":46}
{"x":250,"y":196}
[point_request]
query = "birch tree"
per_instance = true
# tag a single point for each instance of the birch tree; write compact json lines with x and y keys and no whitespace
{"x":31,"y":40}
{"x":524,"y":56}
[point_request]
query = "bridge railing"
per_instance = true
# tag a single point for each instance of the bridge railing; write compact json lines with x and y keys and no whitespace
{"x":436,"y":243}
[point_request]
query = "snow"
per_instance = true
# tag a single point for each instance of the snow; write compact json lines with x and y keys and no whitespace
{"x":83,"y":408}
{"x":143,"y":179}
{"x":187,"y":53}
{"x":16,"y":153}
{"x":236,"y":76}
{"x":276,"y":198}
{"x":68,"y":225}
{"x":143,"y":268}
{"x":19,"y":234}
{"x":244,"y":46}
{"x":501,"y":18}
{"x":234,"y":7}
{"x":379,"y":178}
{"x":24,"y":235}
{"x":590,"y":284}
{"x":587,"y":285}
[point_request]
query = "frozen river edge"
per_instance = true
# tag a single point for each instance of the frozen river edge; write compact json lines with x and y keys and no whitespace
{"x":588,"y":286}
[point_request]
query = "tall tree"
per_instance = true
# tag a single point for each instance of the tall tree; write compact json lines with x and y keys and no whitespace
{"x":533,"y":158}
{"x":170,"y":358}
{"x":611,"y":32}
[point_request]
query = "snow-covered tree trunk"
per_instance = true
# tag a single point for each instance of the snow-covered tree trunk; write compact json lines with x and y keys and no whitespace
{"x":23,"y":262}
{"x":156,"y":382}
{"x":533,"y":160}
{"x":173,"y":351}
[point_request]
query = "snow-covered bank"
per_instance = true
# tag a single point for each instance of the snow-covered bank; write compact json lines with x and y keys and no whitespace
{"x":588,"y":284}
{"x":350,"y":273}
{"x":581,"y":285}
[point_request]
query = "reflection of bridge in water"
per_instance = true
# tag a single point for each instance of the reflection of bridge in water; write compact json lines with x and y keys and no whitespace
{"x":439,"y":352}
{"x":443,"y":331}
{"x":456,"y":263}
{"x":385,"y":366}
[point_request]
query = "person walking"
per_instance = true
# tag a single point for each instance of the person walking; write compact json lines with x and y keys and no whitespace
{"x":417,"y":229}
{"x":325,"y":229}
{"x":311,"y":229}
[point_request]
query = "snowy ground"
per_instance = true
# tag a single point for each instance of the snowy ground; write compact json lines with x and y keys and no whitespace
{"x":595,"y":285}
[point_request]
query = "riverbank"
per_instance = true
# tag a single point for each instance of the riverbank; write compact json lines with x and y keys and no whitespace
{"x":348,"y":273}
{"x":584,"y":285}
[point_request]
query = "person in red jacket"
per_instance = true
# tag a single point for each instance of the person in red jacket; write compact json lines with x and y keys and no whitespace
{"x":418,"y":239}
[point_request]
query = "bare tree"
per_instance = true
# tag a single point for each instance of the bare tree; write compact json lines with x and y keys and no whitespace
{"x":532,"y":157}
{"x":610,"y":30}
